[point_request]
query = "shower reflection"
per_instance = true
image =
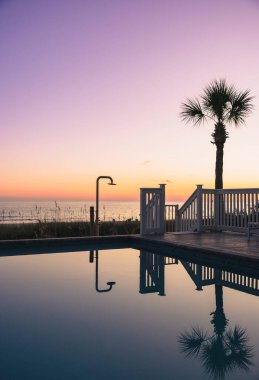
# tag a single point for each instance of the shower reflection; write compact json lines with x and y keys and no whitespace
{"x":109,"y":283}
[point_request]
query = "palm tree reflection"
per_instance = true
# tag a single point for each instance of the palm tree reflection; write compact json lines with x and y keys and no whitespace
{"x":223,"y":351}
{"x":219,"y":320}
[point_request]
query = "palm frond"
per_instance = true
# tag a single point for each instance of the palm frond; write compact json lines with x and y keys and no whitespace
{"x":215,"y":359}
{"x":237,"y":337}
{"x":241,"y":107}
{"x":221,"y":355}
{"x":241,"y":352}
{"x":191,"y":342}
{"x":216,"y":98}
{"x":192,"y":112}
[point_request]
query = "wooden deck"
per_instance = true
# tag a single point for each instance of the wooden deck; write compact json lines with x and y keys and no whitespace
{"x":223,"y":244}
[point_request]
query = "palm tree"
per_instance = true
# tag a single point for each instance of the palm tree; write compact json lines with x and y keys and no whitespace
{"x":224,"y":105}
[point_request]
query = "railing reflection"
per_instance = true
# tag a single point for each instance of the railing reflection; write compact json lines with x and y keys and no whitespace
{"x":225,"y":349}
{"x":152,"y":275}
{"x":204,"y":275}
{"x":152,"y":272}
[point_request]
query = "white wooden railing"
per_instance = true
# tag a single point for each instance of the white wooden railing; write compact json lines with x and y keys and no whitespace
{"x":186,"y":218}
{"x":171,"y":218}
{"x":215,"y":209}
{"x":237,"y":208}
{"x":152,"y":210}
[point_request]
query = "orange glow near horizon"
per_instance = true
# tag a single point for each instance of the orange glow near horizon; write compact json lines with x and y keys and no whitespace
{"x":122,"y":192}
{"x":80,"y":191}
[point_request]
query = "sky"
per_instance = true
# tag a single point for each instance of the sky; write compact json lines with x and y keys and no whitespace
{"x":95,"y":87}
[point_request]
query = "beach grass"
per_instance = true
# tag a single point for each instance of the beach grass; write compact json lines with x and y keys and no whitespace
{"x":52,"y":229}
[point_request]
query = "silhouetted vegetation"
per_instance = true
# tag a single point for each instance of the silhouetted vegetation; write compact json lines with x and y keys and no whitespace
{"x":65,"y":229}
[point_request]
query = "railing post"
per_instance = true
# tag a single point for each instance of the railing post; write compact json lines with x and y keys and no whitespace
{"x":176,"y":219}
{"x":199,"y":277}
{"x":152,"y":210}
{"x":142,"y":212}
{"x":162,"y":210}
{"x":199,"y":208}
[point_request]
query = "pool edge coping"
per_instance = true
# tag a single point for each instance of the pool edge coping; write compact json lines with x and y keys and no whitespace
{"x":130,"y":240}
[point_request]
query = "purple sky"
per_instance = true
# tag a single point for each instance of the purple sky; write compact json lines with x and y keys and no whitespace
{"x":95,"y":87}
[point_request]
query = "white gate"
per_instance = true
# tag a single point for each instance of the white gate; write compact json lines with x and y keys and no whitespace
{"x":152,"y":211}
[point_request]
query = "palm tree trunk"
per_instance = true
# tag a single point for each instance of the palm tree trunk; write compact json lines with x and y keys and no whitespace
{"x":219,"y":320}
{"x":219,"y":297}
{"x":219,"y":166}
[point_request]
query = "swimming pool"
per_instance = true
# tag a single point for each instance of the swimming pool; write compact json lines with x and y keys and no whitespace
{"x":126,"y":314}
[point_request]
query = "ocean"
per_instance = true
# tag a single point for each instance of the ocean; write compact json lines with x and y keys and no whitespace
{"x":34,"y":211}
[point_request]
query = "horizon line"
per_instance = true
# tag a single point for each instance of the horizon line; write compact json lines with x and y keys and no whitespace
{"x":57,"y":199}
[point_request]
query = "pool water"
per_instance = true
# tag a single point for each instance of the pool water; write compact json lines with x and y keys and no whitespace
{"x":125,"y":314}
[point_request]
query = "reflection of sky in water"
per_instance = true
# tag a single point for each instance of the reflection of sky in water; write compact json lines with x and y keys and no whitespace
{"x":54,"y":325}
